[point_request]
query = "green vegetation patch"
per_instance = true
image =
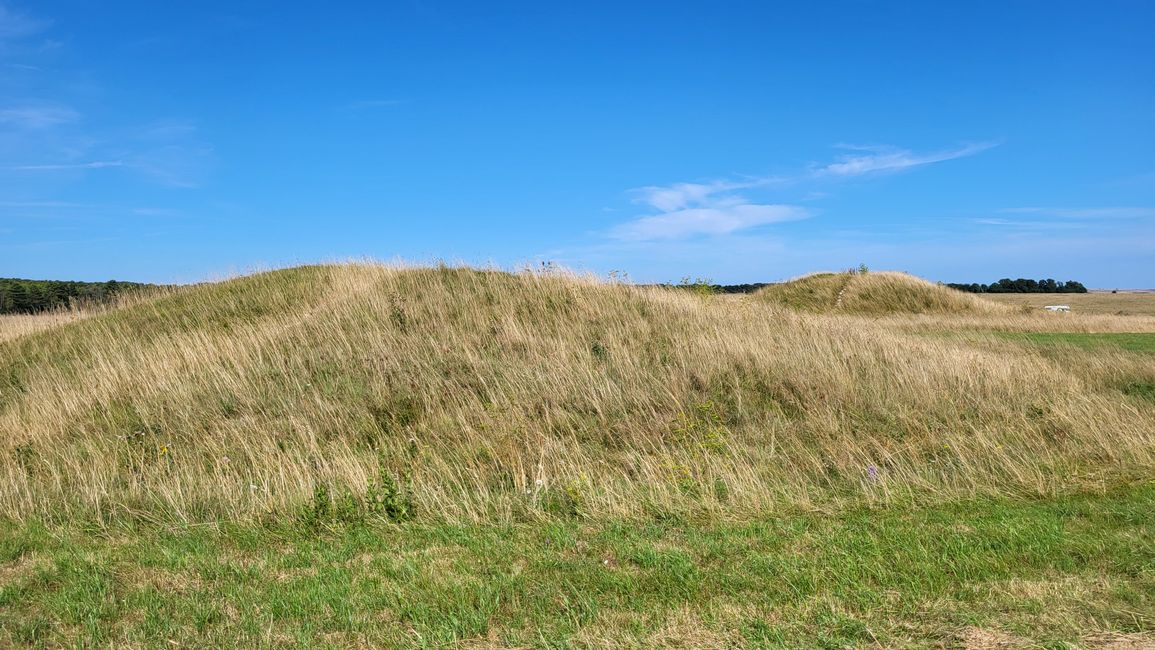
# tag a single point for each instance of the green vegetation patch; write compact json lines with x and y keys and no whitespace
{"x":1136,"y":342}
{"x":1048,"y":571}
{"x":1141,"y":389}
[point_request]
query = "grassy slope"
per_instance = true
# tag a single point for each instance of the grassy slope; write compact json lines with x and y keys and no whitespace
{"x":508,"y":397}
{"x":568,"y":446}
{"x":874,"y":294}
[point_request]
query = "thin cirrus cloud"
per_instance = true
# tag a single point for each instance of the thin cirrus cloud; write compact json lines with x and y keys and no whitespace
{"x":1087,"y":213}
{"x":15,"y":25}
{"x":691,"y":209}
{"x":716,"y":208}
{"x":41,"y":135}
{"x":1031,"y":225}
{"x":721,"y":218}
{"x":167,"y":153}
{"x":680,"y":195}
{"x":888,"y":159}
{"x":37,"y":116}
{"x":96,"y":164}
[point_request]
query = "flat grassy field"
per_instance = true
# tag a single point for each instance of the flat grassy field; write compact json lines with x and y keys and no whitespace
{"x":1141,"y":303}
{"x":1076,"y":570}
{"x":372,"y":456}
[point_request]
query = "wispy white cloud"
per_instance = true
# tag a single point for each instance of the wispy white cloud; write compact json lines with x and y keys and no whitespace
{"x":15,"y":25}
{"x":1033,"y":225}
{"x":41,"y":209}
{"x":721,"y":218}
{"x":1047,"y":220}
{"x":1087,"y":213}
{"x":39,"y":135}
{"x":716,"y":207}
{"x":693,"y":209}
{"x":96,"y":164}
{"x":170,"y":153}
{"x":881,"y":159}
{"x":680,"y":195}
{"x":177,"y":165}
{"x":42,"y":205}
{"x":37,"y":116}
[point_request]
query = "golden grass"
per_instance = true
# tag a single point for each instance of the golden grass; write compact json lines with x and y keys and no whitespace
{"x":15,"y":325}
{"x":1124,"y":303}
{"x":875,"y":293}
{"x":499,"y":396}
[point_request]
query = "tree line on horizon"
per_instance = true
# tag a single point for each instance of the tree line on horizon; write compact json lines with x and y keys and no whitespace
{"x":19,"y":296}
{"x":1022,"y":285}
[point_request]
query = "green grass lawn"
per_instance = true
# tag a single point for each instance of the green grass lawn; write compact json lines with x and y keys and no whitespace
{"x":1052,"y":571}
{"x":1140,"y":342}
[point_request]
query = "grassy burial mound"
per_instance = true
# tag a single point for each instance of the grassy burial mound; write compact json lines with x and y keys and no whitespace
{"x":875,"y":294}
{"x":349,"y":391}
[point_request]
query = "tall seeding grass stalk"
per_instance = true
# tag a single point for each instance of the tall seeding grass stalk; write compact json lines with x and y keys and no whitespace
{"x":483,"y":395}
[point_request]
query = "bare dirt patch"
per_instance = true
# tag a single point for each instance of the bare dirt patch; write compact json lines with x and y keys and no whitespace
{"x":20,"y":569}
{"x":977,"y":638}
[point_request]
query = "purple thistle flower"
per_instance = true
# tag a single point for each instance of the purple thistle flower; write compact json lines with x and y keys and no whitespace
{"x":872,"y":472}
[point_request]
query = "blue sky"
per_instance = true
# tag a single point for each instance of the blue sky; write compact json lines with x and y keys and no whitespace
{"x":739,"y":141}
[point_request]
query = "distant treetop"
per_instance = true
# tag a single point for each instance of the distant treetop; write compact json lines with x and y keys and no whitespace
{"x":18,"y":296}
{"x":1022,"y":285}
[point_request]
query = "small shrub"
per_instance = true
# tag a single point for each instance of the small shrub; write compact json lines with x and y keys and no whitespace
{"x":700,"y":286}
{"x":568,"y":501}
{"x":349,"y":509}
{"x":397,"y":314}
{"x":387,"y":499}
{"x":721,"y":491}
{"x":702,"y":428}
{"x":682,"y":476}
{"x":318,"y":511}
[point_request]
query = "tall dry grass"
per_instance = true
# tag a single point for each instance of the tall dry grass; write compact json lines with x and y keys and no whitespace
{"x":875,"y":293}
{"x":16,"y":325}
{"x":504,"y":396}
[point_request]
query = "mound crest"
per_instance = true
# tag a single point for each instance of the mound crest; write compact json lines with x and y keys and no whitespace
{"x":875,"y":293}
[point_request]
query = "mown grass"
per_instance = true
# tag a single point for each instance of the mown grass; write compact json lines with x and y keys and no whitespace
{"x":1131,"y":342}
{"x":1050,"y":571}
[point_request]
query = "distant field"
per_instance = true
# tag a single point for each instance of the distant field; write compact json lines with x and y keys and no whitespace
{"x":1095,"y":302}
